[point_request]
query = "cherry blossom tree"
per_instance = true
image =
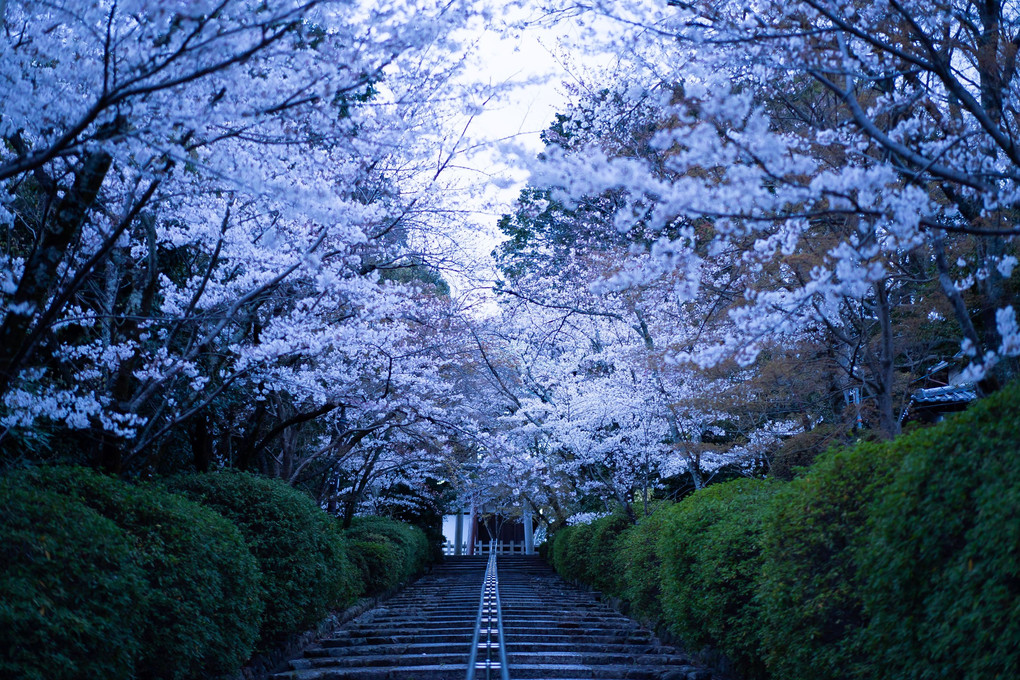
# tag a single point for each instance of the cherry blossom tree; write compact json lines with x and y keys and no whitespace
{"x":865,"y":136}
{"x":209,"y":213}
{"x":598,"y":408}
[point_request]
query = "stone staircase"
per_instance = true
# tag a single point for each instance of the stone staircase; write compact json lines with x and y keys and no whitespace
{"x":555,"y":630}
{"x":552,"y":629}
{"x":422,"y":633}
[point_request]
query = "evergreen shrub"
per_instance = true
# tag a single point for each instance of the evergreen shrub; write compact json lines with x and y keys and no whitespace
{"x":600,"y":553}
{"x":385,"y":551}
{"x":638,"y":561}
{"x":542,"y":550}
{"x":589,"y":553}
{"x":202,"y":609}
{"x":299,"y":549}
{"x":557,"y":549}
{"x":812,"y":604}
{"x":710,"y":548}
{"x":570,"y":542}
{"x":72,"y":597}
{"x":883,"y":560}
{"x":941,"y":567}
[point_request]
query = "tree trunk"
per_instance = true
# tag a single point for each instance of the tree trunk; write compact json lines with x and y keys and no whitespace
{"x":201,"y":444}
{"x":333,"y":502}
{"x":109,"y":455}
{"x":43,"y":266}
{"x":888,"y":422}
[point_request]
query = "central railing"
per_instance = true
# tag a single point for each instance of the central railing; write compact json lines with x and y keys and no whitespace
{"x":491,"y":649}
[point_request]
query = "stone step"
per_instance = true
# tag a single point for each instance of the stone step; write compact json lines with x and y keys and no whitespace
{"x":606,"y":636}
{"x":372,"y":650}
{"x":443,"y":627}
{"x":447,"y":619}
{"x":515,"y":647}
{"x":586,"y":648}
{"x":568,"y":621}
{"x":596,"y":657}
{"x":423,"y":672}
{"x":372,"y":661}
{"x":586,"y":672}
{"x":588,"y":622}
{"x":416,"y":638}
{"x":403,"y":635}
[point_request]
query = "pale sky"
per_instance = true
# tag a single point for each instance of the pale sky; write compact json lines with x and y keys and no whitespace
{"x":524,"y":61}
{"x":537,"y":61}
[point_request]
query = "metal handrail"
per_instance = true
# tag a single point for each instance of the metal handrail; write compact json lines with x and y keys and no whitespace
{"x":489,"y":581}
{"x":473,"y":658}
{"x":504,"y":667}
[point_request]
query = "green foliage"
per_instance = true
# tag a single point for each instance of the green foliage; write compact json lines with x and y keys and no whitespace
{"x":202,"y":608}
{"x":385,"y":551}
{"x":419,"y":506}
{"x":801,"y":450}
{"x":299,"y":549}
{"x":812,"y":606}
{"x":557,"y":548}
{"x":599,"y":553}
{"x":903,"y":553}
{"x":885,"y":560}
{"x":543,"y":550}
{"x":941,"y":569}
{"x":543,"y":233}
{"x":415,"y":271}
{"x":528,"y":229}
{"x":588,"y":553}
{"x":72,"y":597}
{"x":710,"y":548}
{"x":568,"y":552}
{"x":638,"y":561}
{"x":105,"y":579}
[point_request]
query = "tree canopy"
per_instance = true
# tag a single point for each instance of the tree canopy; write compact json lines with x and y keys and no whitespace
{"x":228,"y":239}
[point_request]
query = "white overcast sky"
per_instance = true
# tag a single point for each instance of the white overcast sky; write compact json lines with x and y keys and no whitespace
{"x":537,"y":61}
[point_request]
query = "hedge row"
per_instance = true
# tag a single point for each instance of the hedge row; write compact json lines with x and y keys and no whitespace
{"x":883,"y":561}
{"x":386,"y":552}
{"x":184,"y":579}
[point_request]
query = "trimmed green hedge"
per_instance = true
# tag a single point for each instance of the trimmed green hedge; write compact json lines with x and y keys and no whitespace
{"x":557,"y":550}
{"x":299,"y":549}
{"x":105,"y":579}
{"x":902,"y":559}
{"x":637,"y":559}
{"x":600,"y":551}
{"x":885,"y":560}
{"x":386,"y":552}
{"x":813,"y":611}
{"x":72,"y":597}
{"x":588,"y":552}
{"x":202,"y":609}
{"x":711,"y":557}
{"x":940,"y":573}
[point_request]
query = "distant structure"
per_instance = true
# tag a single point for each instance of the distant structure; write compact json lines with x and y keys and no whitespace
{"x":932,"y":404}
{"x":511,"y":534}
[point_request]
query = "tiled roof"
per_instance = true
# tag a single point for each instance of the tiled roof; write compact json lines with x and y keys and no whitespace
{"x":950,"y":394}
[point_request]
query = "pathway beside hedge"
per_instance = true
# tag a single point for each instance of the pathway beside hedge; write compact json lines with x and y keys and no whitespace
{"x":175,"y":580}
{"x":552,"y":630}
{"x":883,"y":561}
